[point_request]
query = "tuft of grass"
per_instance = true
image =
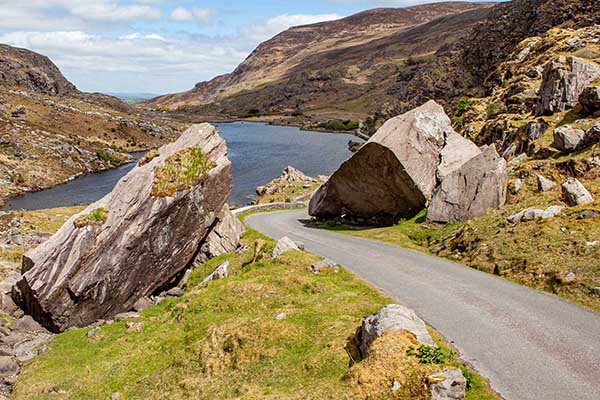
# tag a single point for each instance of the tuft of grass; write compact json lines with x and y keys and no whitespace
{"x":180,"y":171}
{"x":149,"y":156}
{"x":96,"y":217}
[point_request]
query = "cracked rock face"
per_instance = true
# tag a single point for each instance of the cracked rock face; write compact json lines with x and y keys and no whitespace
{"x":99,"y":269}
{"x":396,"y":171}
{"x":564,"y":79}
{"x":478,"y":185}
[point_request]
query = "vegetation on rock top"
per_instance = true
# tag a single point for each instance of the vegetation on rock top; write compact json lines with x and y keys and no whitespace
{"x":180,"y":171}
{"x":96,"y":217}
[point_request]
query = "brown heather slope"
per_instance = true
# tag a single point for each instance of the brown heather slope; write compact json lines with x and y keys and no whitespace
{"x":356,"y":58}
{"x":51,"y":132}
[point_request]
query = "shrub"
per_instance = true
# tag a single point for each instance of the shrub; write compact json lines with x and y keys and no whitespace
{"x":494,"y":109}
{"x":108,"y":156}
{"x":464,"y":103}
{"x":431,"y":355}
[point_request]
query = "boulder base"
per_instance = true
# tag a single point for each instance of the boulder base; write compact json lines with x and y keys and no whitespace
{"x":131,"y":242}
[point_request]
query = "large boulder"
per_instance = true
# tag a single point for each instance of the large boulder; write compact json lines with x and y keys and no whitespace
{"x":575,"y":194}
{"x":223,"y":238}
{"x":134,"y":240}
{"x":397,"y":170}
{"x":564,"y":79}
{"x":478,"y":185}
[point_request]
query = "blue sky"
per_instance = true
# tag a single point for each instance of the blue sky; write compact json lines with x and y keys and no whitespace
{"x":157,"y":46}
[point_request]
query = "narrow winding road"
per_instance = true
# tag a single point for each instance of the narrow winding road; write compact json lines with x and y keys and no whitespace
{"x":531,"y":345}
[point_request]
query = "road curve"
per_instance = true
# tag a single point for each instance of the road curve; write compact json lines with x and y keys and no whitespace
{"x":531,"y":345}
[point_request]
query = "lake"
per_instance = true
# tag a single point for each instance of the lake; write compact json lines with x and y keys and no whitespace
{"x":258,"y":152}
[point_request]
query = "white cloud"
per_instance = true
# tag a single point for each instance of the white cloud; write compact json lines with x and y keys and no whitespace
{"x":49,"y":14}
{"x":265,"y":30}
{"x":193,"y":14}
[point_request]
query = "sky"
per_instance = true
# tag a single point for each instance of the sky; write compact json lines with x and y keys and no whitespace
{"x":158,"y":46}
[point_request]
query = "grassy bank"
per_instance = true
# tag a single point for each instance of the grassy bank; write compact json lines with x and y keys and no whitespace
{"x":271,"y":331}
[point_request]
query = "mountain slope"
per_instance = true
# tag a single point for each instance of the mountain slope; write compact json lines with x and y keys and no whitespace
{"x":348,"y":57}
{"x":50,"y":131}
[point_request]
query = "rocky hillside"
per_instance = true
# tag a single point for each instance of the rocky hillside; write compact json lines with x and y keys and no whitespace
{"x":464,"y":67}
{"x":50,"y":131}
{"x":357,"y":58}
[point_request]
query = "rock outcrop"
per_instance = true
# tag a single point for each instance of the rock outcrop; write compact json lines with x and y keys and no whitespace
{"x":565,"y":78}
{"x":590,"y":100}
{"x":134,"y":240}
{"x":396,"y":171}
{"x":478,"y":185}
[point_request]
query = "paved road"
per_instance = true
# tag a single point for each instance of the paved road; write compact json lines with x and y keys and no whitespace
{"x":531,"y":345}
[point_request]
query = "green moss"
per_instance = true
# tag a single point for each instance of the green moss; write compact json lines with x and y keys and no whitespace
{"x":339,"y":125}
{"x":108,"y":157}
{"x":180,"y":171}
{"x":95,"y":218}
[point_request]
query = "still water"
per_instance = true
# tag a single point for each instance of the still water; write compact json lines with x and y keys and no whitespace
{"x":258,"y":153}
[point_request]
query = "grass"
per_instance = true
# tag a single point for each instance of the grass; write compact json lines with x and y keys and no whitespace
{"x":223,"y":341}
{"x":96,"y":217}
{"x":41,"y":221}
{"x":529,"y":253}
{"x":180,"y":171}
{"x":289,"y":192}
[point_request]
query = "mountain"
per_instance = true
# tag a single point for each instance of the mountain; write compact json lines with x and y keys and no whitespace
{"x":357,"y":59}
{"x":50,"y":131}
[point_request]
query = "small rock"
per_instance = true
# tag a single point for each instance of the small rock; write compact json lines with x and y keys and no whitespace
{"x":518,"y":159}
{"x":126,"y":315}
{"x":588,"y":214}
{"x":175,"y":292}
{"x":221,"y":272}
{"x":8,"y":366}
{"x":185,"y":279}
{"x":115,"y":396}
{"x":536,"y":129}
{"x":7,"y":305}
{"x":590,"y":100}
{"x":324,"y":267}
{"x":281,"y":316}
{"x":396,"y":386}
{"x":284,"y":244}
{"x":531,"y":214}
{"x":575,"y":193}
{"x":516,"y":186}
{"x":565,"y":277}
{"x":567,"y":138}
{"x":134,"y":327}
{"x":93,"y":332}
{"x":596,"y":291}
{"x":393,"y":317}
{"x":592,"y":244}
{"x":301,"y":246}
{"x":545,"y":184}
{"x":142,"y":304}
{"x":26,"y":324}
{"x":447,"y":385}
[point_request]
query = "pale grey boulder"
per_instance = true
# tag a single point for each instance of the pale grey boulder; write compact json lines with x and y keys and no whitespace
{"x":93,"y":271}
{"x":531,"y":214}
{"x":221,"y":272}
{"x":545,"y":184}
{"x":567,"y":138}
{"x":575,"y":193}
{"x":478,"y":185}
{"x":325,"y":266}
{"x":396,"y":171}
{"x":283,"y":245}
{"x":447,"y":385}
{"x":564,"y":79}
{"x":393,"y":317}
